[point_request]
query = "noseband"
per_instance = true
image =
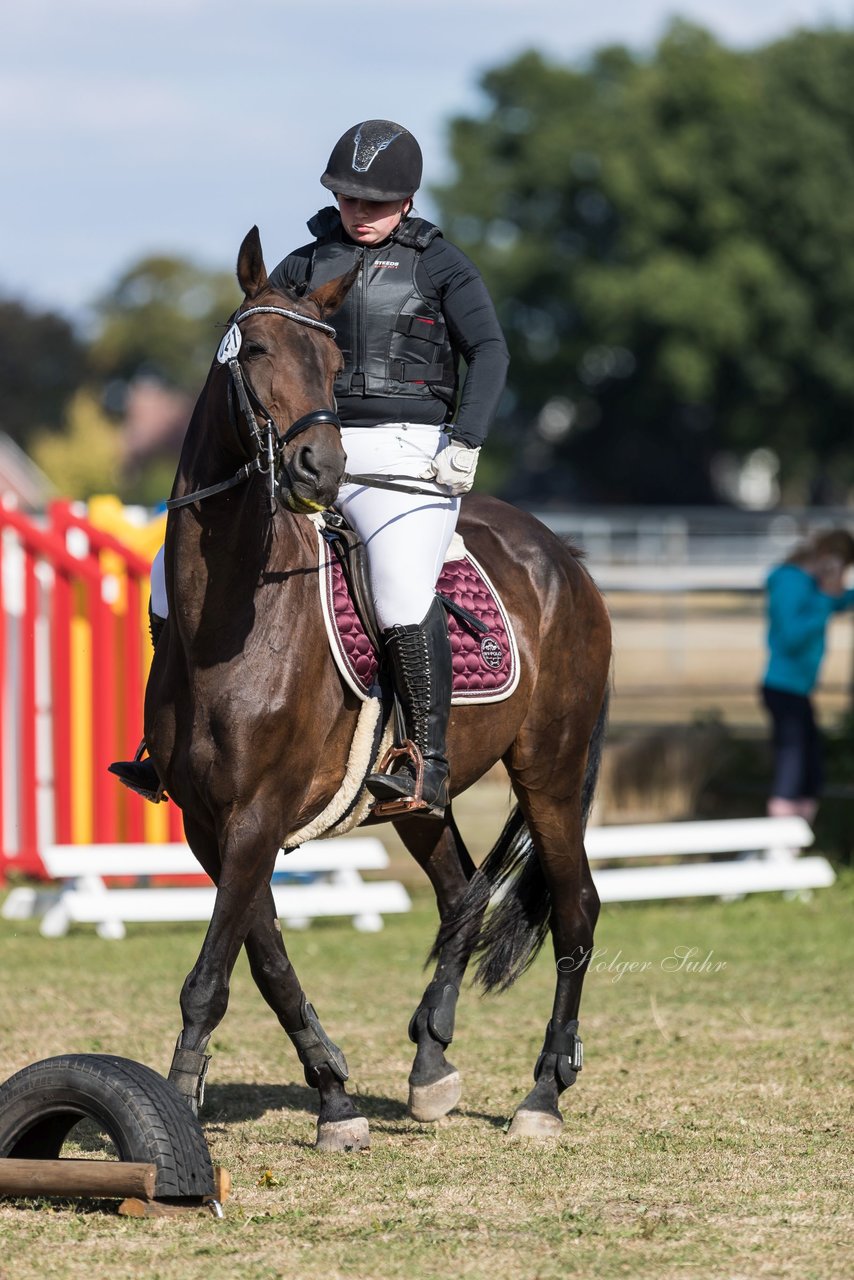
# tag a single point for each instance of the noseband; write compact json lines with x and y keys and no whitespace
{"x":270,"y":442}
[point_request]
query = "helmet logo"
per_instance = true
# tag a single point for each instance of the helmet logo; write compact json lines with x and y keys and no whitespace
{"x":372,"y":137}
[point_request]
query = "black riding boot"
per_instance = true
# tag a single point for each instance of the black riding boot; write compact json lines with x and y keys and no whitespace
{"x":420,"y":660}
{"x":138,"y":774}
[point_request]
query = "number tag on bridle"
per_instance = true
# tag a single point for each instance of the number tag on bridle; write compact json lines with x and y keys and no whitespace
{"x":230,"y":345}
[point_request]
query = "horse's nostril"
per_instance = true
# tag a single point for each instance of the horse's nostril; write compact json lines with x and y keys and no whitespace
{"x":306,"y":462}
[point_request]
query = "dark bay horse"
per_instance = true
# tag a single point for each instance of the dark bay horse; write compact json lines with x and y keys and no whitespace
{"x":249,"y":723}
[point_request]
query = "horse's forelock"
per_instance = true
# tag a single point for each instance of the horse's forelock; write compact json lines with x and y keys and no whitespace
{"x":288,"y":296}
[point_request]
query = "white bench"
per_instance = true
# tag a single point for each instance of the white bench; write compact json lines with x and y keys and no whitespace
{"x":765,"y":859}
{"x":334,"y":887}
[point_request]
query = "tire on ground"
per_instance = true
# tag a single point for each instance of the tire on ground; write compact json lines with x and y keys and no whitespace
{"x":144,"y":1115}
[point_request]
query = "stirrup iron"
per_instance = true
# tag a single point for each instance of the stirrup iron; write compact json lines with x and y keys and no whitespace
{"x":127,"y":773}
{"x":404,"y":804}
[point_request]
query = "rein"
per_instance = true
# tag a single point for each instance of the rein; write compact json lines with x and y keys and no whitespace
{"x":372,"y":481}
{"x":272,"y":442}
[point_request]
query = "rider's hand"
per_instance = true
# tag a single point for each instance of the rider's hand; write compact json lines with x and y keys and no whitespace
{"x":454,"y":467}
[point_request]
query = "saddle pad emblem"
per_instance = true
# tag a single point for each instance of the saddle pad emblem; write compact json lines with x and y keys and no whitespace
{"x":486,"y":667}
{"x":490,"y":651}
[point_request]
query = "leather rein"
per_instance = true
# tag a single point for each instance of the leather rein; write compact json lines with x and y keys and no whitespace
{"x":270,"y":441}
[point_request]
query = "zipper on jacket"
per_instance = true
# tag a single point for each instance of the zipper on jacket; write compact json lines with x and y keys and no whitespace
{"x":363,"y":321}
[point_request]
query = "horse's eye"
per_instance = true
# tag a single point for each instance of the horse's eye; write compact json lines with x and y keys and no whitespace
{"x":252,"y":350}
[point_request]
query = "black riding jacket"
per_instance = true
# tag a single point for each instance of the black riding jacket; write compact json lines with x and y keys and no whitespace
{"x":417,"y":305}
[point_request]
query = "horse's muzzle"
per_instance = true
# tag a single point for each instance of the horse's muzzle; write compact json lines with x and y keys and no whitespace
{"x":314,"y":475}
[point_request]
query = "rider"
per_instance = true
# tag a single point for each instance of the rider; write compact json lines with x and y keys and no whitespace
{"x":417,"y":305}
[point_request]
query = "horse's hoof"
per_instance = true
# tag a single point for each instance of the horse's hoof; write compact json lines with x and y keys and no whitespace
{"x":432,"y":1101}
{"x":535,"y":1124}
{"x":343,"y":1135}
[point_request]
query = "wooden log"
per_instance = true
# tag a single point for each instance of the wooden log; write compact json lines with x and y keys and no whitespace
{"x":222,"y":1184}
{"x":110,"y":1179}
{"x":134,"y":1207}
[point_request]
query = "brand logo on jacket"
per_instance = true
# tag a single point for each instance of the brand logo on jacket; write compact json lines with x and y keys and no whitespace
{"x":385,"y":263}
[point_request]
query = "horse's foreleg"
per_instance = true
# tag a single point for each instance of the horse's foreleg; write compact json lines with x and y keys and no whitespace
{"x":189,"y":1061}
{"x":340,"y":1127}
{"x":242,"y":876}
{"x":434,"y":1082}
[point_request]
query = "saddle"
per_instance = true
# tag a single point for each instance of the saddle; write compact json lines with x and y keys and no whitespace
{"x":483,"y":646}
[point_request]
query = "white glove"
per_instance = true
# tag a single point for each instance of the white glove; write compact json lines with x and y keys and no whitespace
{"x":455,"y":466}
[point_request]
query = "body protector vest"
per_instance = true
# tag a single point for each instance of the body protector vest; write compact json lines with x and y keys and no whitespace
{"x":393,"y":339}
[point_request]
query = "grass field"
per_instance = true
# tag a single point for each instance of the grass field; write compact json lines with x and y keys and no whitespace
{"x":707,"y":1135}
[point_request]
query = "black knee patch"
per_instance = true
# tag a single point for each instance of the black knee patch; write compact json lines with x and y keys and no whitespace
{"x":315,"y":1049}
{"x":440,"y":1002}
{"x":566,"y":1047}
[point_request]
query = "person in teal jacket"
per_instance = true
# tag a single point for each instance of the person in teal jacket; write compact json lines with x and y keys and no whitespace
{"x":802,"y":594}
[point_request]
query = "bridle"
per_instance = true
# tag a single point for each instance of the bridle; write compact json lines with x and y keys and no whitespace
{"x":270,"y":441}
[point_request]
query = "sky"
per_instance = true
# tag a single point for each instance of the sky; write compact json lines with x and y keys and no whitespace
{"x":172,"y":126}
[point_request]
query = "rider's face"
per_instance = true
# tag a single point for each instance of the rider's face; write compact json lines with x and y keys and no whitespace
{"x":370,"y":221}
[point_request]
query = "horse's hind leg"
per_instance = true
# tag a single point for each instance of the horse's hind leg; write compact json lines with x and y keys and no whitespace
{"x":553,"y":811}
{"x":434,"y":1083}
{"x":340,"y":1127}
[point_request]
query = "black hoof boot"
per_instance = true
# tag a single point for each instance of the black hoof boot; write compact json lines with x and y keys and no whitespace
{"x":561,"y":1058}
{"x":188,"y":1073}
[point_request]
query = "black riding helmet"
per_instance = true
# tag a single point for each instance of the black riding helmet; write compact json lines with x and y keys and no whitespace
{"x":375,"y":160}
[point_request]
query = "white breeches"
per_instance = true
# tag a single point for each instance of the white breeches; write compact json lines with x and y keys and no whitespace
{"x":405,"y":536}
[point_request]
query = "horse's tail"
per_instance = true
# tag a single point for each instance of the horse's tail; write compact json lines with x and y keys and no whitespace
{"x":510,"y":939}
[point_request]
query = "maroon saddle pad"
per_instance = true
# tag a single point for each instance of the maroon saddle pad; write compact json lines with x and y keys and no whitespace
{"x":486,"y":664}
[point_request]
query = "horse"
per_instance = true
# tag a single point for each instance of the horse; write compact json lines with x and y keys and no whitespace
{"x":249,"y":723}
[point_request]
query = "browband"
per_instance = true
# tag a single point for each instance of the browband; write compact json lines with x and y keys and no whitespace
{"x":290,"y":315}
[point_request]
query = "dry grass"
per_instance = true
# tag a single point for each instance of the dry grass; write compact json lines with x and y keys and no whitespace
{"x":706,"y":1136}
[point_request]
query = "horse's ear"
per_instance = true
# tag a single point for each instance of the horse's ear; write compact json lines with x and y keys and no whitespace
{"x":330,"y":296}
{"x":251,"y":272}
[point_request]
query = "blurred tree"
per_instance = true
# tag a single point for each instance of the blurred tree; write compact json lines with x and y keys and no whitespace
{"x":84,"y":457}
{"x":42,"y":362}
{"x":670,"y":243}
{"x":161,"y":320}
{"x":160,"y":326}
